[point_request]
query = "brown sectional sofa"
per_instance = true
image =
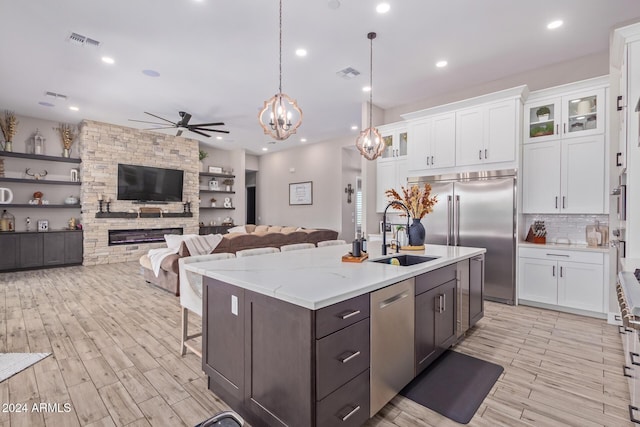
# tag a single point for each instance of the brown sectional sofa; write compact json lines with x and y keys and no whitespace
{"x":256,"y":237}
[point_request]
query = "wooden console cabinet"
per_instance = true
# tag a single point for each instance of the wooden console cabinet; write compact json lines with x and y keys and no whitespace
{"x":26,"y":250}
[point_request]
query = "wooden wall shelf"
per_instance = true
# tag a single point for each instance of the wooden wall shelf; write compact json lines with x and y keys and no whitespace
{"x":133,"y":215}
{"x":39,"y":157}
{"x":39,"y":181}
{"x":27,"y":205}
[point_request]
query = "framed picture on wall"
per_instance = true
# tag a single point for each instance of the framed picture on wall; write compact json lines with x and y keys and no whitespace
{"x":301,"y":193}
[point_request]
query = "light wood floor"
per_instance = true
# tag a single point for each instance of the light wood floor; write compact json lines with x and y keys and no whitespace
{"x":115,"y":359}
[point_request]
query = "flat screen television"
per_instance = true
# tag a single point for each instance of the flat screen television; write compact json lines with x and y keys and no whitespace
{"x":148,"y":184}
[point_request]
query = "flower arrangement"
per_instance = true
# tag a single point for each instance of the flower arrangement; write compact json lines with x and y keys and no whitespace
{"x":202,"y":155}
{"x":9,"y":125}
{"x":67,"y":134}
{"x":419,"y":201}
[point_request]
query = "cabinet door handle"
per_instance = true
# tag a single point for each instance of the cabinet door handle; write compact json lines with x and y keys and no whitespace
{"x":553,"y":271}
{"x":350,"y":314}
{"x":564,"y":128}
{"x":624,"y":371}
{"x":348,"y":358}
{"x":427,"y":160}
{"x":431,"y":160}
{"x":563,"y":255}
{"x":563,"y":204}
{"x":353,"y":411}
{"x":561,"y":275}
{"x":486,"y":156}
{"x":633,"y":361}
{"x":631,"y":417}
{"x":618,"y":162}
{"x":556,"y":202}
{"x":444,"y":302}
{"x":557,"y":129}
{"x":479,"y":154}
{"x":619,"y":103}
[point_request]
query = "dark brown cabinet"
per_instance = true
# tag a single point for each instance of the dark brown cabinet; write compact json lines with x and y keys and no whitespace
{"x":25,"y":250}
{"x":435,"y":315}
{"x":269,"y":364}
{"x":476,"y":289}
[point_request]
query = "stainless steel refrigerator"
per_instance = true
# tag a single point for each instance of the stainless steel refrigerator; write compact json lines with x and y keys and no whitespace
{"x":479,"y":210}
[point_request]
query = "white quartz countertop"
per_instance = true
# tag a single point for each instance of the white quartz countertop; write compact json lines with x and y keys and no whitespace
{"x":316,"y":278}
{"x":565,"y":246}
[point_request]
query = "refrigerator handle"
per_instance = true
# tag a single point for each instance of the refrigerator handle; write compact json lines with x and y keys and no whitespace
{"x":449,"y":220}
{"x":456,"y":234}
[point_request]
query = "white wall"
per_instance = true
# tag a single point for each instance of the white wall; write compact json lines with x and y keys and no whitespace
{"x":351,"y":168}
{"x":319,"y":163}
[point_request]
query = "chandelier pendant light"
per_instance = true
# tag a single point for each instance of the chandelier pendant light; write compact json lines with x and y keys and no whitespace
{"x":280,"y":116}
{"x":369,"y":142}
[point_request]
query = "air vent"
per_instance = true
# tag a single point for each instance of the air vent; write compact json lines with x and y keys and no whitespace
{"x":80,"y":40}
{"x":348,"y":73}
{"x":56,"y":96}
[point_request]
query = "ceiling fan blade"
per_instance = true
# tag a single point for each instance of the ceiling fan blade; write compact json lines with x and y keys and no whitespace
{"x":208,"y":130}
{"x":144,"y":121}
{"x":161,"y":118}
{"x":185,"y":118}
{"x":179,"y":132}
{"x":163,"y":127}
{"x":208,"y":124}
{"x":200,"y":133}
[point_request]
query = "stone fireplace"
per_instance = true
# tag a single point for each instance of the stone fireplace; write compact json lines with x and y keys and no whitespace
{"x":102,"y":147}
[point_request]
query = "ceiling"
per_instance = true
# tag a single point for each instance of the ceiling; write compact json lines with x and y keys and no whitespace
{"x":218,"y":60}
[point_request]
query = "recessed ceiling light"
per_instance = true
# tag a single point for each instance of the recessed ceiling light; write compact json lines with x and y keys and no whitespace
{"x":108,"y":60}
{"x":354,"y":127}
{"x":554,"y":24}
{"x":303,"y":139}
{"x":441,"y":64}
{"x":333,"y":4}
{"x":383,"y":7}
{"x":46,"y":104}
{"x":151,"y":73}
{"x":366,"y":88}
{"x":301,"y":52}
{"x":74,"y":108}
{"x":218,"y":137}
{"x":265,"y":149}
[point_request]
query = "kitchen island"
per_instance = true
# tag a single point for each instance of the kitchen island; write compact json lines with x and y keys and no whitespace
{"x":301,"y":338}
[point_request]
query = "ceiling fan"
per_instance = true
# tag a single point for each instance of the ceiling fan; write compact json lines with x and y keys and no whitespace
{"x":183,"y":124}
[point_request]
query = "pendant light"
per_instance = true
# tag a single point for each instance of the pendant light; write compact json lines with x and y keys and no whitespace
{"x":280,"y":116}
{"x":370,"y":143}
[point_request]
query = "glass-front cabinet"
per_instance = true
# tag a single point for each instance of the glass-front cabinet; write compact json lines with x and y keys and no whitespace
{"x":573,"y":115}
{"x":395,"y":138}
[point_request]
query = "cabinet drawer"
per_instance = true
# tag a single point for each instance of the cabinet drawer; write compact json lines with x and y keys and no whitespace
{"x":341,"y":356}
{"x":432,"y":279}
{"x":562,"y":255}
{"x":348,"y":406}
{"x":342,"y":314}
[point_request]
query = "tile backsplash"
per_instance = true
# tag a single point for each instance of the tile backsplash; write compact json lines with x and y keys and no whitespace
{"x":571,"y":227}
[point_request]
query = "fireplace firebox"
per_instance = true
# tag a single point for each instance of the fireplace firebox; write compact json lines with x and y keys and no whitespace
{"x":136,"y":236}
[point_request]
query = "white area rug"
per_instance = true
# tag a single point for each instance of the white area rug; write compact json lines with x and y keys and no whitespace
{"x":12,"y":363}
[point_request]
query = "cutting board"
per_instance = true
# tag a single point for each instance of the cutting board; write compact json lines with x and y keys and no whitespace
{"x":351,"y":258}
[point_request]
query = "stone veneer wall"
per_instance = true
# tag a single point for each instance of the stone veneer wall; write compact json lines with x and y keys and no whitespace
{"x":102,"y":147}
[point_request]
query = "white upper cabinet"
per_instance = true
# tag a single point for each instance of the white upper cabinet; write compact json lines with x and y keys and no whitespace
{"x":433,"y":142}
{"x":487,"y":134}
{"x":389,"y":175}
{"x":572,"y":115}
{"x":395,"y":138}
{"x":564,"y":176}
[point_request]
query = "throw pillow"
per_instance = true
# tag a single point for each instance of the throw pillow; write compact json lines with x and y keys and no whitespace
{"x":287,"y":230}
{"x":274,"y":229}
{"x":237,"y":229}
{"x":261,"y":229}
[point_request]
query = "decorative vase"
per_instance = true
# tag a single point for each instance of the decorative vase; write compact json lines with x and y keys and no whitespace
{"x":66,"y":152}
{"x":201,"y":166}
{"x":417,"y":233}
{"x":8,"y":146}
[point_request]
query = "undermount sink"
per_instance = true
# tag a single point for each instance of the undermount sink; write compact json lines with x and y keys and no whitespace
{"x":405,"y":260}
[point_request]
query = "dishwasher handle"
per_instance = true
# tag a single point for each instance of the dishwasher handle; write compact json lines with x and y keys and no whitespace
{"x":393,"y":299}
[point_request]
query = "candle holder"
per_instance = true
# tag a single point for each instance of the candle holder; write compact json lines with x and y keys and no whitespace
{"x":189,"y":207}
{"x":100,"y":206}
{"x":109,"y":206}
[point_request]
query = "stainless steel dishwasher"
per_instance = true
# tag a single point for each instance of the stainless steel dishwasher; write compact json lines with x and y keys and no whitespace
{"x":392,"y":341}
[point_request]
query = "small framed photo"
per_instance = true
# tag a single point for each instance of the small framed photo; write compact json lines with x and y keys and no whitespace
{"x":75,"y":175}
{"x":215,"y":169}
{"x":43,"y":225}
{"x":301,"y":193}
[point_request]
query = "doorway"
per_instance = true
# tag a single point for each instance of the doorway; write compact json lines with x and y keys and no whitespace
{"x":250,"y":186}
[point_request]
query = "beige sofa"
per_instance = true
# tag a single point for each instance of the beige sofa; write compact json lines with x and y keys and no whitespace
{"x":260,"y":236}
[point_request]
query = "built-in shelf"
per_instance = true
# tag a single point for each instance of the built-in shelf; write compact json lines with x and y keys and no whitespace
{"x":216,"y":207}
{"x":217,"y":191}
{"x":143,"y":215}
{"x":49,"y":206}
{"x":39,"y":157}
{"x":39,"y":181}
{"x":217,"y":175}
